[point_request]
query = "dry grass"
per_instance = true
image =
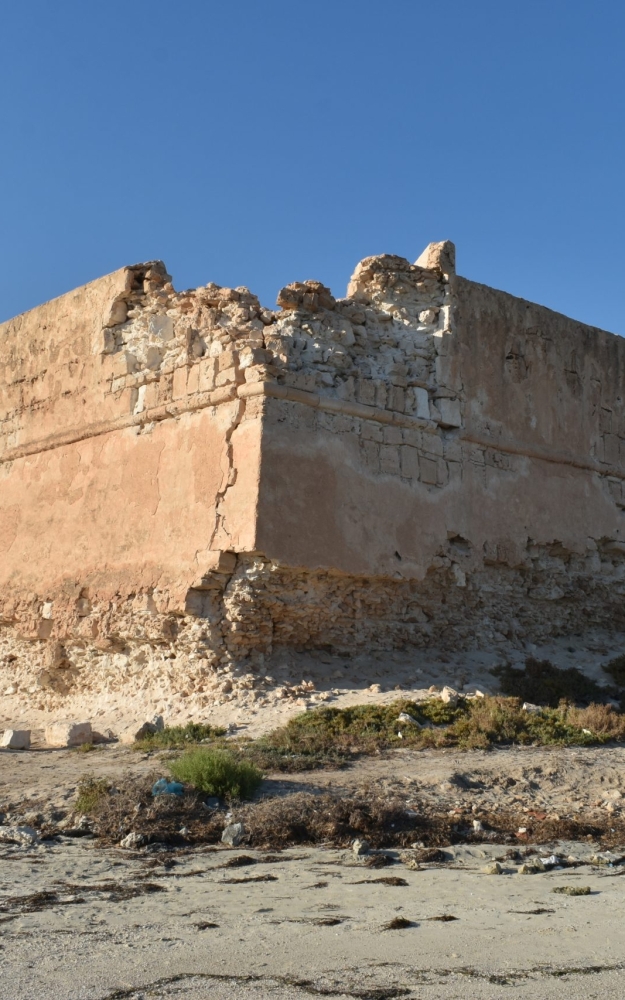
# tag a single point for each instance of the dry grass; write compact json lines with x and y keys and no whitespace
{"x":311,"y":819}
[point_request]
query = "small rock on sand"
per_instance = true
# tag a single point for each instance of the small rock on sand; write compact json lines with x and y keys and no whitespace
{"x":233,"y":834}
{"x":16,"y":739}
{"x":19,"y":835}
{"x":493,"y":869}
{"x":132,"y":841}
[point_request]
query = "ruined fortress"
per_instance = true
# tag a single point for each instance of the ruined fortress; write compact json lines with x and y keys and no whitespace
{"x":189,"y":481}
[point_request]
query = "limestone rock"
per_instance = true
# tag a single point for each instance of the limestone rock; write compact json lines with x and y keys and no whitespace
{"x":233,"y":834}
{"x":68,"y":734}
{"x":439,"y":257}
{"x":16,"y":739}
{"x":19,"y":835}
{"x":406,"y":717}
{"x":493,"y":869}
{"x":132,"y":841}
{"x":309,"y":295}
{"x":532,"y":709}
{"x":134,"y":733}
{"x":449,"y":696}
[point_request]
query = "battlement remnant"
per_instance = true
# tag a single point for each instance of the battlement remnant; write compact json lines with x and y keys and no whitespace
{"x":189,"y":480}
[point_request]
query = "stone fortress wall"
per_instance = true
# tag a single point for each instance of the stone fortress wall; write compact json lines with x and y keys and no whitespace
{"x":189,"y":480}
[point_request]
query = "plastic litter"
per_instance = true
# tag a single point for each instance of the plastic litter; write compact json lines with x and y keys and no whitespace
{"x":165,"y":787}
{"x":553,"y":861}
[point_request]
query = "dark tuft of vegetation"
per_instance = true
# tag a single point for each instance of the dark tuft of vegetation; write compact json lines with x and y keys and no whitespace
{"x":616,"y":669}
{"x":398,"y":924}
{"x":542,"y":683}
{"x":174,"y":737}
{"x":217,"y":772}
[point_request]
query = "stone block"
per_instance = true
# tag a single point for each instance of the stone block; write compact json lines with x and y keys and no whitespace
{"x":16,"y":739}
{"x":193,"y":380}
{"x":371,"y":431}
{"x":389,"y":459}
{"x":392,"y":435}
{"x":450,"y":412}
{"x":365,"y":391}
{"x":68,"y":734}
{"x":219,"y":562}
{"x":180,"y":382}
{"x":433,"y":444}
{"x":396,"y":399}
{"x":206,"y":369}
{"x":428,"y":469}
{"x":422,"y":403}
{"x":409,"y":462}
{"x":370,"y":452}
{"x":439,"y":257}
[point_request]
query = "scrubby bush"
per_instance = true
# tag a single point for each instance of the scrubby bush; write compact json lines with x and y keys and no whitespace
{"x":616,"y":669}
{"x":217,"y":772}
{"x":91,"y":791}
{"x":179,"y":736}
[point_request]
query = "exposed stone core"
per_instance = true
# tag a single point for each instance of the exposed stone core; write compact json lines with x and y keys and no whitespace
{"x":188,"y":479}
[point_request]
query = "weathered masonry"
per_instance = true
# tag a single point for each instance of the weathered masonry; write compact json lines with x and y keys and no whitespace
{"x":188,"y":480}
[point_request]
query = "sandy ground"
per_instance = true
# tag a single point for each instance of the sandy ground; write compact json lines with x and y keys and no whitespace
{"x":567,"y":782}
{"x":317,"y":928}
{"x":126,"y":925}
{"x":136,"y":925}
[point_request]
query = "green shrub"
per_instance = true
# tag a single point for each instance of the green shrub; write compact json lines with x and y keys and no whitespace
{"x":91,"y":791}
{"x":217,"y":772}
{"x":332,"y":736}
{"x":179,"y":736}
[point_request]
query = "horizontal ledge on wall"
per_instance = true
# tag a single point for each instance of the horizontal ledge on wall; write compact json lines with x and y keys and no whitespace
{"x":273,"y":390}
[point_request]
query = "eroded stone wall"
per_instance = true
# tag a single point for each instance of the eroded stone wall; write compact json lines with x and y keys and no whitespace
{"x":189,"y":480}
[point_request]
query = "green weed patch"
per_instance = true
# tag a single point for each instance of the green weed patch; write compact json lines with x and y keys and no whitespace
{"x":217,"y":772}
{"x":91,"y":792}
{"x":174,"y":737}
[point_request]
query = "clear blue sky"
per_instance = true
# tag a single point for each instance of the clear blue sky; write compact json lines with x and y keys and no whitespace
{"x":257,"y":142}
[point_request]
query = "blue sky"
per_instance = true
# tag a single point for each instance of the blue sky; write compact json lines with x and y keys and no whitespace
{"x":257,"y":143}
